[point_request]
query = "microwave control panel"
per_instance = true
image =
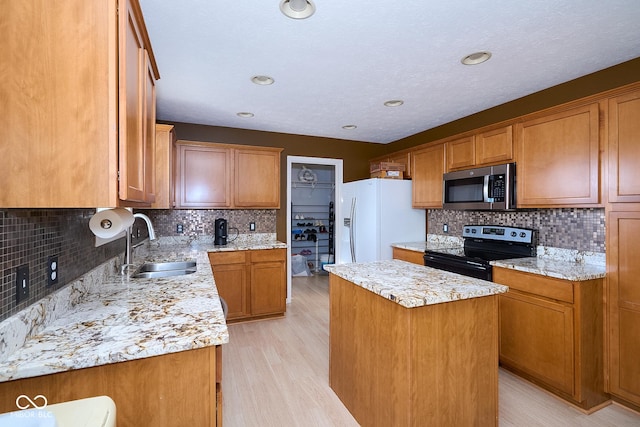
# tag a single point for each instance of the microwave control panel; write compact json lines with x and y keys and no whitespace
{"x":497,"y":187}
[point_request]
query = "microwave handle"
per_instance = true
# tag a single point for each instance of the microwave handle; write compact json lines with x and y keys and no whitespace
{"x":485,"y":188}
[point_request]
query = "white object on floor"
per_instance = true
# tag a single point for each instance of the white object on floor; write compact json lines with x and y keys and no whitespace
{"x":97,"y":411}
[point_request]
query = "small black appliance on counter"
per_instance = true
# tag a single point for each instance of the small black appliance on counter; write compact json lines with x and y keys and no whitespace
{"x":220,"y":232}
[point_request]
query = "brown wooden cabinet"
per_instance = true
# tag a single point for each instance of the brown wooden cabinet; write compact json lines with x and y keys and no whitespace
{"x":402,"y":157}
{"x":165,"y":167}
{"x":257,"y":177}
{"x":624,"y":148}
{"x":485,"y":148}
{"x":231,"y":277}
{"x":427,"y":169}
{"x":408,"y":255}
{"x":183,"y":388}
{"x":253,"y":282}
{"x":78,"y":94}
{"x":623,"y":302}
{"x":203,"y":175}
{"x":558,"y":159}
{"x":223,"y":176}
{"x":551,"y":333}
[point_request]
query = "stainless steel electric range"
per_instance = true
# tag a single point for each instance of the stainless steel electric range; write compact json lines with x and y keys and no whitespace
{"x":483,"y":243}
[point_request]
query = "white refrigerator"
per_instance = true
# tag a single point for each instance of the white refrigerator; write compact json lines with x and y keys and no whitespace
{"x":377,"y":213}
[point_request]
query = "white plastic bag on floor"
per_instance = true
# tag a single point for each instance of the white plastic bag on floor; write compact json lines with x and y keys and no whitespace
{"x":299,"y":266}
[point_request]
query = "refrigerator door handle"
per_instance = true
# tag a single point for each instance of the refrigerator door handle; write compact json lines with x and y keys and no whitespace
{"x":352,"y":242}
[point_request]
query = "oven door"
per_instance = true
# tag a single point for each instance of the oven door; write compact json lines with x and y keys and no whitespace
{"x":458,"y":265}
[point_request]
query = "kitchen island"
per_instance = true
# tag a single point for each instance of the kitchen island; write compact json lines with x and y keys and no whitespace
{"x":410,"y":345}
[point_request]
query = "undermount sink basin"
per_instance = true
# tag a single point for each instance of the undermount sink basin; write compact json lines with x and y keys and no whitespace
{"x":151,"y":270}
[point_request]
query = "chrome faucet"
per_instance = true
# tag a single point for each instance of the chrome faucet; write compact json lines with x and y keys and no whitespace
{"x":128,"y":258}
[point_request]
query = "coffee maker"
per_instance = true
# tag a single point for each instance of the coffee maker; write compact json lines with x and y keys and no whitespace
{"x":220,"y":232}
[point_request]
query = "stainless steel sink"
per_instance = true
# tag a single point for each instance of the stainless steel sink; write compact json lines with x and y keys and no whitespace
{"x":153,"y":270}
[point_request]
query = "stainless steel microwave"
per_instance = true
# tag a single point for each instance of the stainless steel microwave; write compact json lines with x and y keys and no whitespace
{"x":487,"y":188}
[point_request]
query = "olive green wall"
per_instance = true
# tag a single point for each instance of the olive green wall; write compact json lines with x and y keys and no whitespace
{"x":356,"y":155}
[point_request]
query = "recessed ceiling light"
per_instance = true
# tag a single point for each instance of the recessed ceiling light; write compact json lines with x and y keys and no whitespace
{"x":349,"y":127}
{"x":297,"y":9}
{"x":245,"y":114}
{"x":262,"y":80}
{"x":394,"y":103}
{"x":476,"y":58}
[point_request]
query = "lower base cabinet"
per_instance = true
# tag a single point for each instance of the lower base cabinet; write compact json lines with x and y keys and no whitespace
{"x":176,"y":389}
{"x":408,"y":255}
{"x":253,"y":283}
{"x":551,"y":333}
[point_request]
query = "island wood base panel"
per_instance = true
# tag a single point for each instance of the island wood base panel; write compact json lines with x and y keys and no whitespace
{"x":432,"y":365}
{"x":176,"y":389}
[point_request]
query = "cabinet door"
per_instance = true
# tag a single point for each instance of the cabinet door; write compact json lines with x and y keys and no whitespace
{"x":149,"y":120}
{"x":427,"y":170}
{"x":558,"y":159}
{"x":268,"y":282}
{"x":230,"y":274}
{"x":203,"y":176}
{"x":131,"y":107}
{"x":494,"y":146}
{"x":164,"y":167}
{"x":461,"y":153}
{"x":623,"y":267}
{"x":536,"y":337}
{"x":624,"y":148}
{"x":257,"y":178}
{"x":58,"y":101}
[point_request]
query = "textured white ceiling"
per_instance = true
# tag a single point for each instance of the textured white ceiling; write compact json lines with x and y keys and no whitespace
{"x":339,"y":66}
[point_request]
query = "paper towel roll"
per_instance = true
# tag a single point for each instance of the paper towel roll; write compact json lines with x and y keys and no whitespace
{"x":110,"y":222}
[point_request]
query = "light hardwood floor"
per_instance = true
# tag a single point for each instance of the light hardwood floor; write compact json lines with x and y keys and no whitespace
{"x":275,"y":373}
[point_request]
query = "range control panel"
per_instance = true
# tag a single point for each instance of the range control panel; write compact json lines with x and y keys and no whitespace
{"x":499,"y":232}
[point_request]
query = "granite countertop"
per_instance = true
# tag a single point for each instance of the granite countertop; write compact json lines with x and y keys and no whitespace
{"x":559,"y":269}
{"x":412,"y":285}
{"x":106,"y":318}
{"x":559,"y":263}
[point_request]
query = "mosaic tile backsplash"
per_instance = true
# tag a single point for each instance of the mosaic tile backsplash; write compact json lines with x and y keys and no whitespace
{"x":199,"y":222}
{"x":30,"y":236}
{"x":578,"y":229}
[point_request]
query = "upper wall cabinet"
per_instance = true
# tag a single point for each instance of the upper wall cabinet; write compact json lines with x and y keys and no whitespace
{"x":78,"y":102}
{"x":223,"y":176}
{"x":486,"y":148}
{"x":558,"y":159}
{"x":624,"y":148}
{"x":165,"y":167}
{"x":427,"y":169}
{"x":402,"y":157}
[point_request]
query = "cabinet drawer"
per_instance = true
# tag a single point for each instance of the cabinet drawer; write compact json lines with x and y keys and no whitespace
{"x":536,"y":284}
{"x":266,"y":255}
{"x":233,"y":257}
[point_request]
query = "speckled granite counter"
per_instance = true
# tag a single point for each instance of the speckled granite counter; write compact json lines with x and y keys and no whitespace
{"x":105,"y":318}
{"x":560,"y":263}
{"x":563,"y":264}
{"x":412,"y":285}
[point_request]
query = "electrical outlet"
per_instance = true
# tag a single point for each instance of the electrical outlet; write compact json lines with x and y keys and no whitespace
{"x":445,"y":228}
{"x":22,"y":283}
{"x":252,"y":226}
{"x":52,"y":270}
{"x":179,"y":228}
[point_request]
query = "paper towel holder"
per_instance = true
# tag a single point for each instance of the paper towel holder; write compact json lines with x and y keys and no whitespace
{"x":103,"y":241}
